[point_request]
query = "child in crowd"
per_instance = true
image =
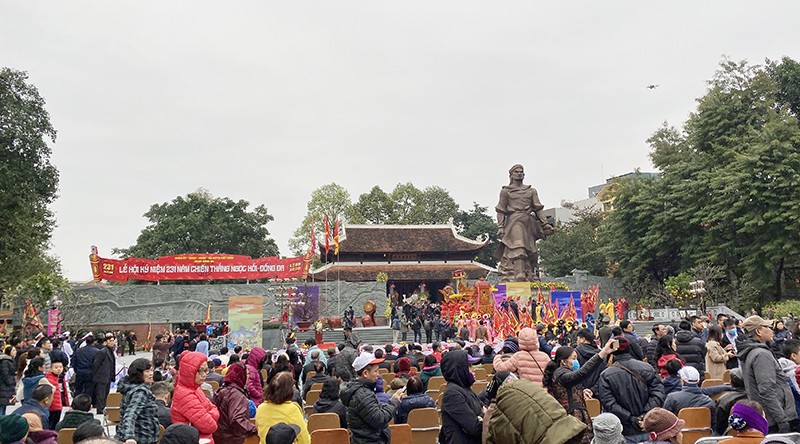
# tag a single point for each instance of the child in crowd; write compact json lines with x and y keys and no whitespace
{"x":78,"y":415}
{"x":672,"y":383}
{"x":61,"y":393}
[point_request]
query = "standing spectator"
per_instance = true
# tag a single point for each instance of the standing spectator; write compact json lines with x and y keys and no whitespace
{"x":278,"y":407}
{"x":189,"y":404}
{"x":131,"y":343}
{"x":427,"y":325}
{"x":404,"y":324}
{"x":255,"y":386}
{"x":104,"y":369}
{"x":665,"y":352}
{"x":138,"y":411}
{"x":234,"y":417}
{"x":416,"y":398}
{"x":60,"y":395}
{"x":367,"y":418}
{"x":8,"y":381}
{"x":781,"y":333}
{"x":690,"y":347}
{"x":716,"y":355}
{"x":763,"y":378}
{"x":203,"y":345}
{"x":343,"y":367}
{"x":83,"y":363}
{"x":659,"y":330}
{"x":730,"y":342}
{"x":78,"y":414}
{"x":329,"y":401}
{"x":528,"y":362}
{"x":629,"y":389}
{"x":46,"y":346}
{"x":462,"y":411}
{"x":629,"y":331}
{"x":57,"y":354}
{"x":161,"y":391}
{"x":586,"y":350}
{"x":161,"y":348}
{"x":395,"y":329}
{"x":33,"y":374}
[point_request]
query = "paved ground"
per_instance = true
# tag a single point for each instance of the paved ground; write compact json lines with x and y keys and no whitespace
{"x":125,"y":360}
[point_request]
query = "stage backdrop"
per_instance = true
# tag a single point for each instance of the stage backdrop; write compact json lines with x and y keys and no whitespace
{"x":563,"y":300}
{"x":245,"y":320}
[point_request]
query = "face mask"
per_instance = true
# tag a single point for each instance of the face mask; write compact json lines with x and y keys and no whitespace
{"x":731,"y":333}
{"x":575,"y":365}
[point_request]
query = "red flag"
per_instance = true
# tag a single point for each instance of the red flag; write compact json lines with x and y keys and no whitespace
{"x":327,"y":235}
{"x":336,"y":236}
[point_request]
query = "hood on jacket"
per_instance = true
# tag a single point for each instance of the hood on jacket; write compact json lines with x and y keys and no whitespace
{"x":189,"y":364}
{"x":528,"y":339}
{"x":747,"y":347}
{"x":256,"y":357}
{"x":237,"y":375}
{"x":684,"y":336}
{"x":455,"y":368}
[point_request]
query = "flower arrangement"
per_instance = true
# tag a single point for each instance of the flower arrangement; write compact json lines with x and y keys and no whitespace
{"x":381,"y":277}
{"x":549,"y":285}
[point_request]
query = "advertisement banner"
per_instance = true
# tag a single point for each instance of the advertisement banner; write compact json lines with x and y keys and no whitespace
{"x":203,"y":267}
{"x":245,"y":314}
{"x":521,"y":290}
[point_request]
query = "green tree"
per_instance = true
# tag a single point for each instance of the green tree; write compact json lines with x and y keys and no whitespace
{"x":408,"y":207}
{"x":202,"y":223}
{"x":49,"y":290}
{"x":330,"y":200}
{"x":374,"y":207}
{"x":405,"y":205}
{"x":479,"y":225}
{"x":574,"y":245}
{"x":438,"y":205}
{"x":28,"y":181}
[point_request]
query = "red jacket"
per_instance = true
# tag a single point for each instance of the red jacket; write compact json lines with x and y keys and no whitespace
{"x":59,"y":389}
{"x":662,"y":363}
{"x":189,"y":403}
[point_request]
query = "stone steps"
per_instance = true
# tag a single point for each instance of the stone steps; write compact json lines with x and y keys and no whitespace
{"x":368,"y":335}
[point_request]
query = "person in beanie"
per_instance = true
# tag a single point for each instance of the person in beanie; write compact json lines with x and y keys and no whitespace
{"x":13,"y":429}
{"x":663,"y":426}
{"x":747,"y":417}
{"x":607,"y":429}
{"x":234,"y":423}
{"x":367,"y":418}
{"x":764,"y":380}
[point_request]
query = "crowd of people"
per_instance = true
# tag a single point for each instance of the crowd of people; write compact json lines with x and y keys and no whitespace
{"x":537,"y":391}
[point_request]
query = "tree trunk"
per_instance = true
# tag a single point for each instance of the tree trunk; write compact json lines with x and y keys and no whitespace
{"x":779,"y":271}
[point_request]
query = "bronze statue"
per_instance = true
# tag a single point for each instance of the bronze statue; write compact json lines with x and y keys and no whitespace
{"x":521,"y":222}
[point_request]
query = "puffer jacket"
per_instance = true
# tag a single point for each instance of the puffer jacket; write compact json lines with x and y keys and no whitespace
{"x":28,"y":384}
{"x":692,"y":349}
{"x":428,"y":372}
{"x":461,"y":407}
{"x":61,"y":390}
{"x":234,"y":416}
{"x":367,"y":418}
{"x":255,"y":386}
{"x":625,"y":395}
{"x":138,"y":414}
{"x":765,"y":382}
{"x":525,"y":413}
{"x":690,"y":396}
{"x":343,"y":367}
{"x":7,"y":380}
{"x":529,"y":363}
{"x":411,"y":402}
{"x":332,"y":406}
{"x":189,"y":403}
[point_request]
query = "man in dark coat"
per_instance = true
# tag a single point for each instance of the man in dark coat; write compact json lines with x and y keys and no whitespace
{"x":83,"y":363}
{"x":104,"y":368}
{"x":585,"y":350}
{"x":690,"y":347}
{"x":367,"y":419}
{"x":659,"y":330}
{"x":630,"y":334}
{"x":630,"y":388}
{"x":733,"y":336}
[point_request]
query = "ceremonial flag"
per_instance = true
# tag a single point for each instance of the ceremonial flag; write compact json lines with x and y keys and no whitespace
{"x":208,"y":313}
{"x":327,"y":235}
{"x":540,"y":296}
{"x":336,"y":236}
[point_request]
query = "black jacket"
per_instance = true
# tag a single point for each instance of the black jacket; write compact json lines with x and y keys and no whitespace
{"x":650,"y":352}
{"x":692,"y":349}
{"x":83,"y":360}
{"x":367,"y":419}
{"x":585,"y":353}
{"x":460,"y":405}
{"x":627,"y":397}
{"x":732,"y":362}
{"x":636,"y":349}
{"x":8,"y":381}
{"x":332,"y":406}
{"x":724,"y":406}
{"x":104,"y":366}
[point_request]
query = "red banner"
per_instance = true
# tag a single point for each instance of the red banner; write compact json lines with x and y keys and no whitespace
{"x":203,"y":267}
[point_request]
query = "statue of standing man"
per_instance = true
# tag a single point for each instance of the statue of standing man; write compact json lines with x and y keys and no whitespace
{"x":521,"y":222}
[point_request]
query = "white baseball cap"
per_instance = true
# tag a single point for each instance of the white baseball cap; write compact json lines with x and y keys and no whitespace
{"x":689,"y":375}
{"x":365,"y":359}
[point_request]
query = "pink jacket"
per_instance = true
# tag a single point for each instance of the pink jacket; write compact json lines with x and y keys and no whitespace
{"x":529,"y":363}
{"x":255,"y":387}
{"x":189,"y":403}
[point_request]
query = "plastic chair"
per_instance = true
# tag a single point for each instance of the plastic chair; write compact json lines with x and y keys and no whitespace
{"x":111,"y":416}
{"x":252,"y":439}
{"x":309,"y":375}
{"x":436,"y":382}
{"x":114,"y":399}
{"x":478,"y":386}
{"x":332,"y":436}
{"x":712,"y":383}
{"x":308,"y":410}
{"x":316,"y":386}
{"x":425,"y":425}
{"x":489,"y":368}
{"x":698,"y":423}
{"x":433,"y":394}
{"x":65,"y":435}
{"x":401,"y":434}
{"x":726,"y":377}
{"x":214,"y":386}
{"x":323,"y":421}
{"x":480,"y":373}
{"x":312,"y":396}
{"x":593,"y":407}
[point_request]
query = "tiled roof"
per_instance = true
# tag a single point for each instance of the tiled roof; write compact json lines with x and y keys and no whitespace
{"x":405,"y":239}
{"x":399,"y":271}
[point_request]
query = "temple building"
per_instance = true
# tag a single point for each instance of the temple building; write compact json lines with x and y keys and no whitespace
{"x":408,"y":255}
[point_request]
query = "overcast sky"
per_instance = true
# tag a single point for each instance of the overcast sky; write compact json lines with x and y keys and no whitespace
{"x":266,"y":102}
